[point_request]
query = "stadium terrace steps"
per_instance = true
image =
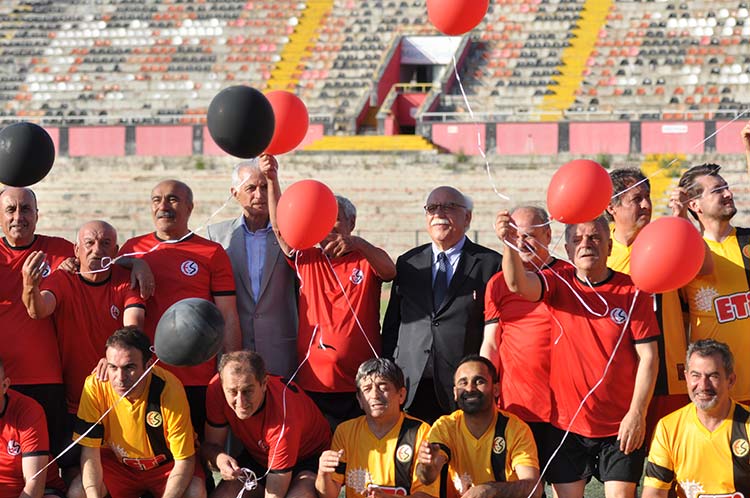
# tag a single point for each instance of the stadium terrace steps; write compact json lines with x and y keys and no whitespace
{"x":288,"y":70}
{"x":382,"y":143}
{"x":593,"y":18}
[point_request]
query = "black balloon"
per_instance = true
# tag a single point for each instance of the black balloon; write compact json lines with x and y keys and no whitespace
{"x":26,"y":154}
{"x":241,"y":121}
{"x":189,"y":332}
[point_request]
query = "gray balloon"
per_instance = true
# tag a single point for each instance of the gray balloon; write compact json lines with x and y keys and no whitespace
{"x":189,"y":333}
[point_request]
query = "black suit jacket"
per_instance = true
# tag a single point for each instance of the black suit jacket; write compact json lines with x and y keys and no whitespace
{"x":411,"y":329}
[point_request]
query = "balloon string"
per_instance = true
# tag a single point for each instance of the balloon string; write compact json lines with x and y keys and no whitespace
{"x":564,"y":281}
{"x":588,"y":394}
{"x":79,"y":438}
{"x":248,"y":478}
{"x":480,"y":146}
{"x":349,"y":303}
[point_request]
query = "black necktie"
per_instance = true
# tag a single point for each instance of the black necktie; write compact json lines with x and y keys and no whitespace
{"x":440,"y":287}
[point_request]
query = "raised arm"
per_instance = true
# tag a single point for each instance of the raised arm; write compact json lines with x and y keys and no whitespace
{"x":39,"y":304}
{"x":524,"y":283}
{"x":270,"y":169}
{"x":380,"y":261}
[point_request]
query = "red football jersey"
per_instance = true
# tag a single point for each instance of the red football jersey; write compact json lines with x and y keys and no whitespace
{"x":194,"y":267}
{"x":85,"y":316}
{"x":306,"y":432}
{"x":23,"y":432}
{"x":29,"y":349}
{"x":523,"y":337}
{"x":339,"y":346}
{"x":581,"y":350}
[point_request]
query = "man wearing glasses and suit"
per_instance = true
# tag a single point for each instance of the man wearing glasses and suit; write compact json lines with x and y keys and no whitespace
{"x":266,"y":297}
{"x":436,"y":311}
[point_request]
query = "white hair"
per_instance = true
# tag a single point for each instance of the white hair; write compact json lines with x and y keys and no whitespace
{"x":251,"y":165}
{"x":349,"y":210}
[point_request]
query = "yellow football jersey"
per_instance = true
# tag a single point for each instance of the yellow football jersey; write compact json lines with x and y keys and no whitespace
{"x":702,"y":462}
{"x":370,"y":460}
{"x":719,"y":306}
{"x":469,"y":461}
{"x":123,"y":430}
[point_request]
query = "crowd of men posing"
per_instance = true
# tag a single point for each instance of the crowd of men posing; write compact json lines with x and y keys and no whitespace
{"x":488,"y":371}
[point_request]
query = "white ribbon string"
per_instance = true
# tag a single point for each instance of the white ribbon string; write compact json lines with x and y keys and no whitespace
{"x":588,"y":394}
{"x":79,"y":438}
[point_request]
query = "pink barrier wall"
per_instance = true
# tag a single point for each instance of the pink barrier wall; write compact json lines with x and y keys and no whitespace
{"x":526,"y":138}
{"x":459,"y":137}
{"x":164,"y":141}
{"x":677,"y":136}
{"x":595,"y":138}
{"x":209,"y":146}
{"x":728,"y":140}
{"x":96,"y":141}
{"x":54,"y":134}
{"x":314,"y":132}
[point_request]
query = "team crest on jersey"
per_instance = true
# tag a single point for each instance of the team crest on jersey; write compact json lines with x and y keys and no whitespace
{"x":153,"y":419}
{"x":115,"y":312}
{"x":746,"y":251}
{"x":404,"y":453}
{"x":14,"y":448}
{"x":740,"y":447}
{"x":498,"y":445}
{"x":189,"y":267}
{"x":262,"y":445}
{"x":46,"y":270}
{"x":357,"y":276}
{"x":618,"y":315}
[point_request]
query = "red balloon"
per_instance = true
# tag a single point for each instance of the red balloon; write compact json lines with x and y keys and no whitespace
{"x":306,"y":213}
{"x":666,"y":255}
{"x":578,"y":192}
{"x":292,"y":121}
{"x":456,"y":17}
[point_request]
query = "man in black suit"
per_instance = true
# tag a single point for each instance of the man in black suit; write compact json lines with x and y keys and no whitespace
{"x":436,"y":312}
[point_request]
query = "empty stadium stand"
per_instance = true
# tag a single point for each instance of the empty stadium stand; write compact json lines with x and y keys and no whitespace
{"x":119,"y":62}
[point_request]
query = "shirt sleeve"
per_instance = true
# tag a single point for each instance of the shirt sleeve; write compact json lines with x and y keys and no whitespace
{"x":440,"y":433}
{"x":56,"y":284}
{"x":491,"y":313}
{"x":34,"y":438}
{"x":177,"y":424}
{"x":643,"y":324}
{"x":416,"y":485}
{"x":89,"y":411}
{"x":521,"y":445}
{"x":659,"y":466}
{"x":215,"y":402}
{"x":222,"y":279}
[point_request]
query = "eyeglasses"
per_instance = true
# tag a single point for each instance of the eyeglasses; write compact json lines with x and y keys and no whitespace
{"x":448,"y":207}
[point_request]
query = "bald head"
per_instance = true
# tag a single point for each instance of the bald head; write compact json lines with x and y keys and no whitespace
{"x":96,"y":240}
{"x":534,"y":235}
{"x":19,"y":216}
